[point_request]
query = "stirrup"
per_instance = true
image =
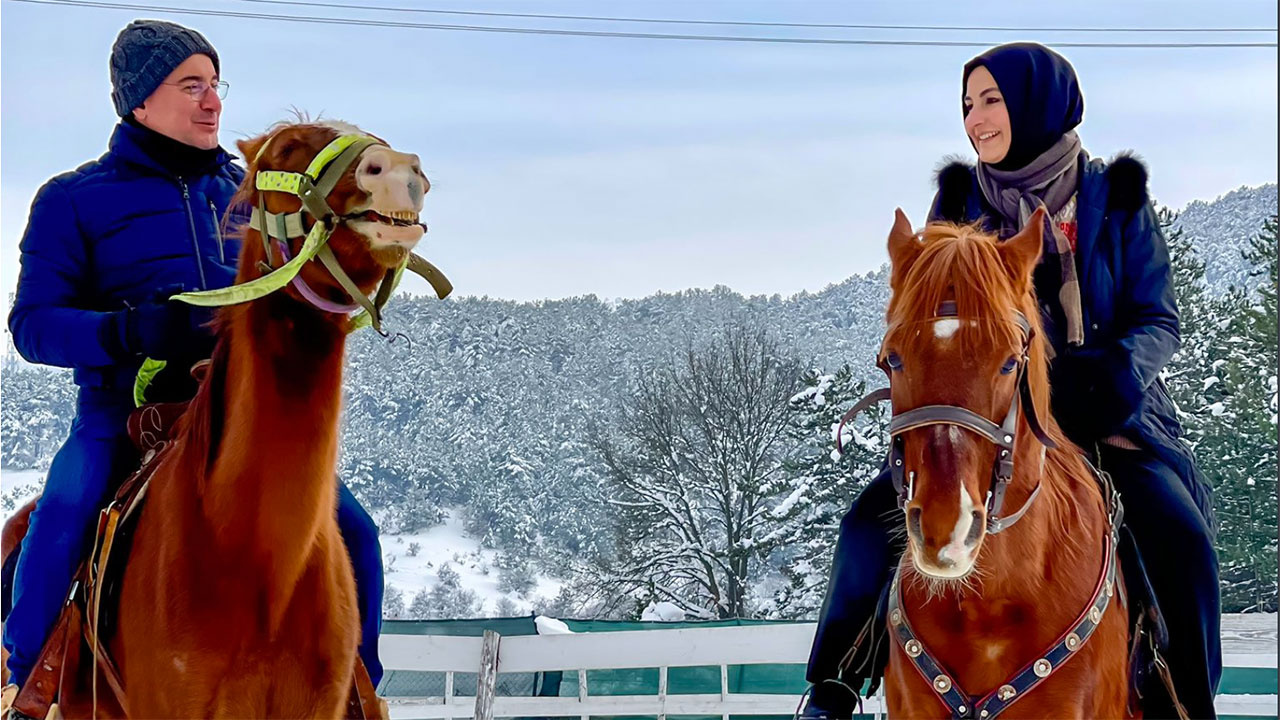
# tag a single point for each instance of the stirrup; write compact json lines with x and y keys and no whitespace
{"x":827,"y":715}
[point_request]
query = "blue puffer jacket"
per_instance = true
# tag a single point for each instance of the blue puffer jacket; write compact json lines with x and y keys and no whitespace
{"x":1111,"y":384}
{"x":111,"y":235}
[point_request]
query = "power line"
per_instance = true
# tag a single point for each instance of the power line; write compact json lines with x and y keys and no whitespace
{"x":363,"y":22}
{"x":748,"y":23}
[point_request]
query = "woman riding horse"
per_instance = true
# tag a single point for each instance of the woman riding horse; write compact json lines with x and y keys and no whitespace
{"x":1107,"y":307}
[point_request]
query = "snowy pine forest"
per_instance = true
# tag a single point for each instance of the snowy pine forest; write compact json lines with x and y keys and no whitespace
{"x":594,"y":458}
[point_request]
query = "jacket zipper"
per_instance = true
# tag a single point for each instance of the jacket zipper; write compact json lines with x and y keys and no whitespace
{"x":195,"y":239}
{"x":217,"y":232}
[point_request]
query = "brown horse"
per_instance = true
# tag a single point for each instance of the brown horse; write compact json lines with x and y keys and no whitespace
{"x":1000,"y":605}
{"x":239,"y":598}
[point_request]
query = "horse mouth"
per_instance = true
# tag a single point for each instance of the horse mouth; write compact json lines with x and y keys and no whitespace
{"x":394,"y":218}
{"x":942,"y":570}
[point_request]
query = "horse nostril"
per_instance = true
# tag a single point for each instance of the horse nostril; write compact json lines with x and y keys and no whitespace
{"x":915,"y":524}
{"x":374,"y":170}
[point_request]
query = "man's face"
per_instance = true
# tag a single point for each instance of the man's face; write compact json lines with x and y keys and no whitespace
{"x":186,"y":106}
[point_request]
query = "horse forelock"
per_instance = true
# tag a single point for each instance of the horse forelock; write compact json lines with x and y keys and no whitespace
{"x":957,"y":263}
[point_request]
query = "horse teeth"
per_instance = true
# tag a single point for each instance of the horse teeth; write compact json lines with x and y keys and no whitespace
{"x":402,"y":215}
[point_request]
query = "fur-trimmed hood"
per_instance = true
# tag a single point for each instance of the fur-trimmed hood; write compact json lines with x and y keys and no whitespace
{"x":1125,"y":174}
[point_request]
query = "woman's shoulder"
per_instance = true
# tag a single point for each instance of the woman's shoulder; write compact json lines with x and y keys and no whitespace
{"x":957,"y":185}
{"x":1119,"y":184}
{"x":1121,"y":181}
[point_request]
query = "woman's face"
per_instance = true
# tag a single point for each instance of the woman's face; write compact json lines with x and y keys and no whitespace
{"x":986,"y":117}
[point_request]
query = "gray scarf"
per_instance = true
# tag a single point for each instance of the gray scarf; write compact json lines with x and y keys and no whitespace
{"x":1051,"y":181}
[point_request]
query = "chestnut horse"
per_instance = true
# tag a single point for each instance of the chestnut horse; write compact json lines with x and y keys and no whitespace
{"x":239,"y":598}
{"x":1000,"y":604}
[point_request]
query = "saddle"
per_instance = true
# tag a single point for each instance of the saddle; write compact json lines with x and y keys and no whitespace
{"x":88,"y":616}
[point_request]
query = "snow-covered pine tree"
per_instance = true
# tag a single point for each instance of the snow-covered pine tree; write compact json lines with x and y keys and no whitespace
{"x":1190,"y":374}
{"x":824,"y":483}
{"x":447,"y":600}
{"x":1246,"y":441}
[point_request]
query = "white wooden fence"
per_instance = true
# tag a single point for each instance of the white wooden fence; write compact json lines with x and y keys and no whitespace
{"x":662,"y":649}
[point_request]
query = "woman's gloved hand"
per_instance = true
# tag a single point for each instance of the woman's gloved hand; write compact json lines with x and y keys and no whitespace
{"x":1094,"y":393}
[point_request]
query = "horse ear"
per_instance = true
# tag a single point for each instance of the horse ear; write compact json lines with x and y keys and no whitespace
{"x":904,"y":246}
{"x":1021,"y":252}
{"x":249,"y":148}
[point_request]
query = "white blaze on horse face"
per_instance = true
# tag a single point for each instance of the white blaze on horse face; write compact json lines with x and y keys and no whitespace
{"x":957,"y":551}
{"x":946,"y":327}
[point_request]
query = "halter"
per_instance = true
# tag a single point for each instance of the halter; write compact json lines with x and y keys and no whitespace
{"x":312,"y":187}
{"x":1003,"y":436}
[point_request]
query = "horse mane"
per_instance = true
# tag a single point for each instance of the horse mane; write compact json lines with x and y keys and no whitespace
{"x":201,"y":425}
{"x":962,"y":263}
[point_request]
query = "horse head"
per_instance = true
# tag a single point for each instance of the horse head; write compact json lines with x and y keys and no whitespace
{"x":961,"y":344}
{"x":368,"y":196}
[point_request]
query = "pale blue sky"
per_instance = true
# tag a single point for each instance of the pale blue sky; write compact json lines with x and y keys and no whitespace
{"x":566,"y":165}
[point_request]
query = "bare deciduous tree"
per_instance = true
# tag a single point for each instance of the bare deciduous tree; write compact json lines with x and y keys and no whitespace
{"x":696,"y":468}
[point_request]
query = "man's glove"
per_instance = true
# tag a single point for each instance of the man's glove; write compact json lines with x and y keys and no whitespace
{"x":165,"y":329}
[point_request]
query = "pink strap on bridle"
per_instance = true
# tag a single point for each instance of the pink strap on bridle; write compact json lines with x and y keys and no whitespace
{"x":311,"y":295}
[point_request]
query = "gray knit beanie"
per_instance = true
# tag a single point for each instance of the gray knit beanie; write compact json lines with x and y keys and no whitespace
{"x":144,"y":54}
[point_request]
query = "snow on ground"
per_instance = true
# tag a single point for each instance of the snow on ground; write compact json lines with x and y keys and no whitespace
{"x":476,"y":567}
{"x":16,"y":488}
{"x":445,"y":543}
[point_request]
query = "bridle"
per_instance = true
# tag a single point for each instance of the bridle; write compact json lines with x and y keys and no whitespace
{"x":312,"y":187}
{"x":1003,"y":436}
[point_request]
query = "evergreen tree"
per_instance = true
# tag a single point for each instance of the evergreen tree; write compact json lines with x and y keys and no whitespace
{"x":1246,"y":443}
{"x":393,"y":603}
{"x":824,"y":482}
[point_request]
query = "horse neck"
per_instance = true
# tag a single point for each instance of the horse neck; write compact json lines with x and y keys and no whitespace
{"x":272,"y":485}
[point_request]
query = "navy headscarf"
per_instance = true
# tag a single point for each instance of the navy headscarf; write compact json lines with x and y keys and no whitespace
{"x":1041,"y":92}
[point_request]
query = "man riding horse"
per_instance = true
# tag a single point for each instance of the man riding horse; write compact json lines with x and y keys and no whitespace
{"x":105,"y":247}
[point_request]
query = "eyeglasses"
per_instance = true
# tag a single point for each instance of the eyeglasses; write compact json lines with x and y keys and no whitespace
{"x":197,"y":88}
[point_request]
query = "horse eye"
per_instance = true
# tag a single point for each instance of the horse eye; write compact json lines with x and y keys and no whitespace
{"x":893,"y":361}
{"x":1009,"y":366}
